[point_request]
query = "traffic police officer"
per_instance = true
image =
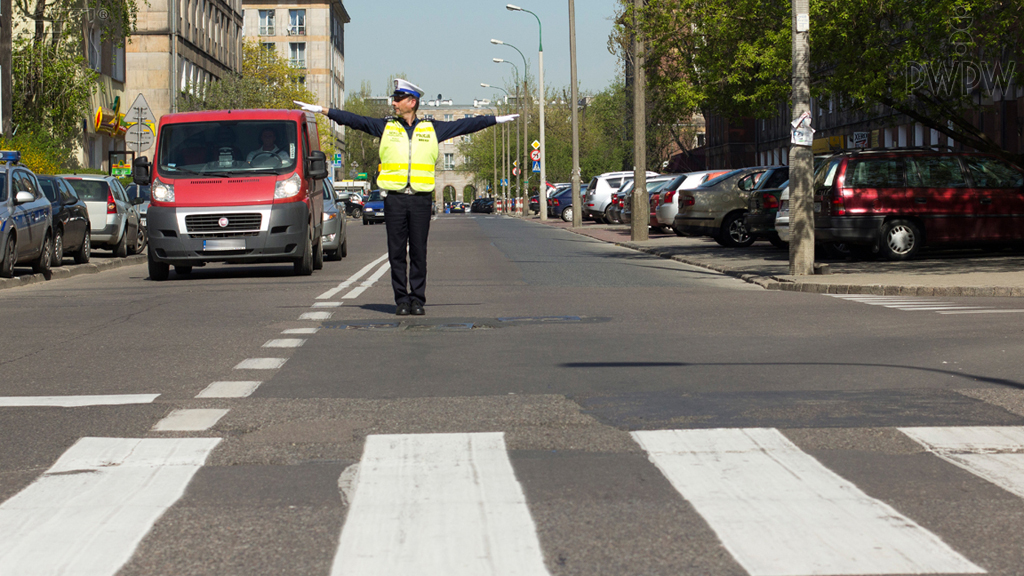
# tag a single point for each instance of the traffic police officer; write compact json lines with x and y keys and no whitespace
{"x":408,"y":155}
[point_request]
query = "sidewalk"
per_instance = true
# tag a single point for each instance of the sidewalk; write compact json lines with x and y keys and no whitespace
{"x":951,"y":273}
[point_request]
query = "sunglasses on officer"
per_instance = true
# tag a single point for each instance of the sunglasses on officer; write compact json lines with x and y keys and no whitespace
{"x":399,"y":96}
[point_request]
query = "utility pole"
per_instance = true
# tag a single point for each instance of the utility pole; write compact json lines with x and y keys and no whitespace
{"x":801,"y":158}
{"x":577,"y":204}
{"x":6,"y":87}
{"x":641,"y":206}
{"x":524,"y":177}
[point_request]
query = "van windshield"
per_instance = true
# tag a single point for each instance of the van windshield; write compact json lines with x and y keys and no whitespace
{"x":227,"y":148}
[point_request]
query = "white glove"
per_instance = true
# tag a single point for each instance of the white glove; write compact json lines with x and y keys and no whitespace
{"x":309,"y":107}
{"x":503,"y":119}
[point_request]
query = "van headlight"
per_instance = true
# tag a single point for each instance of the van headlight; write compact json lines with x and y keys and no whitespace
{"x":162,"y":192}
{"x":288,"y":187}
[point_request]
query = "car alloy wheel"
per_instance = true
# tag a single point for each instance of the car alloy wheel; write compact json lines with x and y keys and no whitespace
{"x":10,"y":255}
{"x":58,"y":249}
{"x":82,"y":256}
{"x":567,"y":214}
{"x":42,"y":265}
{"x":734,"y":232}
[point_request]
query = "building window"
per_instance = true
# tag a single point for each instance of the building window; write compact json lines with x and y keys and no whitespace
{"x":117,"y":72}
{"x":267,"y":23}
{"x":467,"y":115}
{"x":447,"y":117}
{"x":449,"y":161}
{"x":428,"y":116}
{"x":269,"y":46}
{"x":297,"y":22}
{"x":297,"y":54}
{"x":95,"y":49}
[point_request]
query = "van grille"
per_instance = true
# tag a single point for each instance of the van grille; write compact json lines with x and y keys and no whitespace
{"x":221,"y":181}
{"x":211,"y":222}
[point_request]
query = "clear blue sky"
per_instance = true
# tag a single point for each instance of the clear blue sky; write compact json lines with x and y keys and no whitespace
{"x":444,"y":47}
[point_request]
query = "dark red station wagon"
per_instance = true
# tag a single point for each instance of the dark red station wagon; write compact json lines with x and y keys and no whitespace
{"x":901,"y":200}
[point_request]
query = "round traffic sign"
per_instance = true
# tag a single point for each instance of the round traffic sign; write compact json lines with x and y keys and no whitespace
{"x":138,"y":138}
{"x":515,"y":171}
{"x":535,"y":155}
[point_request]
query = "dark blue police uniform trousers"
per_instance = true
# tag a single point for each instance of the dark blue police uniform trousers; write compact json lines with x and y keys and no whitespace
{"x":407,"y":218}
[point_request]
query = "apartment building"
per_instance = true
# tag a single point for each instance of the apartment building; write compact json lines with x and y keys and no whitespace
{"x":449,"y":179}
{"x":311,"y":36}
{"x":182,"y":43}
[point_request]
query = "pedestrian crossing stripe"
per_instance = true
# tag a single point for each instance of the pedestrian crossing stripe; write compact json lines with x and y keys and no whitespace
{"x":914,"y":304}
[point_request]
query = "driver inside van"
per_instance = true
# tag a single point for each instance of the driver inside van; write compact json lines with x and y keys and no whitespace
{"x":268,"y":137}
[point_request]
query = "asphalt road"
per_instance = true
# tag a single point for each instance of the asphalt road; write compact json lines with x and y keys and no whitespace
{"x":565,"y":407}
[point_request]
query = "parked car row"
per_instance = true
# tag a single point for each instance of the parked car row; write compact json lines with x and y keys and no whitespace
{"x":43,"y":218}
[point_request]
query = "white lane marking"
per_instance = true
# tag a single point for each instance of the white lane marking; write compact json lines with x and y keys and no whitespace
{"x":438,"y":504}
{"x":261,"y":364}
{"x":231,"y":389}
{"x":779,"y":511}
{"x":301,"y":331}
{"x":351,"y":279}
{"x":315,"y":315}
{"x":76,"y":401}
{"x":87,"y":514}
{"x":995,"y":453}
{"x":986,"y":312}
{"x":936,"y":308}
{"x":326,"y":304}
{"x":369,"y":281}
{"x":284,"y":343}
{"x":189,"y":420}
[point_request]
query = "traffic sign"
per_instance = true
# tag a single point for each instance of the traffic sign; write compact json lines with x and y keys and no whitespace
{"x":536,"y":166}
{"x":337,"y":158}
{"x":139,"y":112}
{"x":535,"y":155}
{"x":536,"y":145}
{"x":139,"y":137}
{"x":515,"y":171}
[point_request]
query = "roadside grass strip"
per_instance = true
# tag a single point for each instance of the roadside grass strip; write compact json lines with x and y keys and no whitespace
{"x":261,"y":364}
{"x":995,"y":453}
{"x":779,"y":511}
{"x":351,"y":279}
{"x":355,"y":292}
{"x":88,"y":513}
{"x":438,"y":504}
{"x":230,"y":389}
{"x":76,"y":401}
{"x":190,"y":420}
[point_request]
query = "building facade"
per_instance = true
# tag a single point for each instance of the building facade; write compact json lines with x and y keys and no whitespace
{"x":450,"y":180}
{"x":182,"y":43}
{"x":311,"y":36}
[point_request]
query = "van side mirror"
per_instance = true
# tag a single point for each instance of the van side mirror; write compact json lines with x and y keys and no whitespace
{"x":142,"y":171}
{"x":316,"y":165}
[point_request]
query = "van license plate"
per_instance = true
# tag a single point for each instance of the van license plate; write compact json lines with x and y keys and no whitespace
{"x":817,"y":207}
{"x":232,"y":244}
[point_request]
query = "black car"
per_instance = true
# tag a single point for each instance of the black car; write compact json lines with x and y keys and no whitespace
{"x":482,"y":206}
{"x":535,"y":204}
{"x":70,"y":220}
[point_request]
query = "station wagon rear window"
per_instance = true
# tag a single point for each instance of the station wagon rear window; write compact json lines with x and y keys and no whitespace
{"x":227,"y":148}
{"x":90,"y":190}
{"x":993,"y":173}
{"x":935,"y":172}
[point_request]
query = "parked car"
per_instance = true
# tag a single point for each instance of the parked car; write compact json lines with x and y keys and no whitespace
{"x":482,"y":206}
{"x":535,"y":204}
{"x":761,"y":212}
{"x":599,"y":194}
{"x":115,"y":221}
{"x":210,"y":205}
{"x":898,"y":201}
{"x":70,"y":220}
{"x":29,"y":237}
{"x":616,"y":205}
{"x":716,"y":208}
{"x":142,"y":194}
{"x":373,"y":209}
{"x":560,"y":204}
{"x":334,"y":234}
{"x":668,"y":207}
{"x":654,"y":186}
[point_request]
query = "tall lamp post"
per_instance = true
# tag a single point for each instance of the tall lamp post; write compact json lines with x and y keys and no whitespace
{"x":522,"y":104}
{"x":577,"y":204}
{"x":503,"y":145}
{"x":526,"y":116}
{"x":542,"y":188}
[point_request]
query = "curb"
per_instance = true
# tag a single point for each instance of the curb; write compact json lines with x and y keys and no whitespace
{"x":786,"y":285}
{"x":61,"y":272}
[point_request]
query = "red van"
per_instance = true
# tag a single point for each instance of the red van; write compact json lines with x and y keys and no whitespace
{"x":896,"y":201}
{"x":243,"y":186}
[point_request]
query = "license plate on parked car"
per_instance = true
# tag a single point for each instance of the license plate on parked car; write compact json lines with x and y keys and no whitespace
{"x":225,"y":244}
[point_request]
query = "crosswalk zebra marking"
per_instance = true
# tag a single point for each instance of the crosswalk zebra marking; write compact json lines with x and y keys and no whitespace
{"x":995,"y":453}
{"x":912,"y":304}
{"x":230,"y":389}
{"x":88,"y":513}
{"x":438,"y":504}
{"x":190,"y":420}
{"x":779,"y":511}
{"x":76,"y":401}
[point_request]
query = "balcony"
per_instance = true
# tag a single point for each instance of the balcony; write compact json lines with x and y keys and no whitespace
{"x":296,"y":30}
{"x":298,"y":63}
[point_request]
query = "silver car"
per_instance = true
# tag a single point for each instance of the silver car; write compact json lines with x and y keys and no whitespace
{"x":115,"y":220}
{"x":668,"y":207}
{"x":654,"y":186}
{"x":334,"y":235}
{"x":599,"y":194}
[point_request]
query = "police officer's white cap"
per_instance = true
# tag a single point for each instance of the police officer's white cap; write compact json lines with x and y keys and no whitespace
{"x":408,"y":88}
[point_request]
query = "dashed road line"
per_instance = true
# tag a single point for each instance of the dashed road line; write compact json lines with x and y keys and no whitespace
{"x":190,"y":420}
{"x":261,"y":364}
{"x":285,"y":343}
{"x":326,"y":304}
{"x":230,"y":389}
{"x":301,"y":331}
{"x":355,"y":292}
{"x":316,"y":315}
{"x":351,"y":279}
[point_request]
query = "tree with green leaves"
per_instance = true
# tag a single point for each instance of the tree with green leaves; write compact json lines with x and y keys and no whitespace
{"x":935,"y":62}
{"x":361,"y":149}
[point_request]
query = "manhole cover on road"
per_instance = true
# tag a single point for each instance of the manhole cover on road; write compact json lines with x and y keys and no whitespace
{"x":456,"y":324}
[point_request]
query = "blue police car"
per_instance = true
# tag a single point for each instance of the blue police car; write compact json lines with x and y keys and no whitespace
{"x":26,"y":218}
{"x":373,"y":210}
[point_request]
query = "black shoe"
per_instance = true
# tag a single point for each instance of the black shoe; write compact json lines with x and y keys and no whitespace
{"x":417,"y":308}
{"x":402,"y":309}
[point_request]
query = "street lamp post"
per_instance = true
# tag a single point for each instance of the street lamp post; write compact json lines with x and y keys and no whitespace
{"x":503,"y":144}
{"x":543,"y":186}
{"x":523,"y":106}
{"x":526,"y":119}
{"x":577,"y":204}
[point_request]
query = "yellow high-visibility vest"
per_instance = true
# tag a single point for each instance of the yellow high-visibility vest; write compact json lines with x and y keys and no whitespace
{"x":407,"y":161}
